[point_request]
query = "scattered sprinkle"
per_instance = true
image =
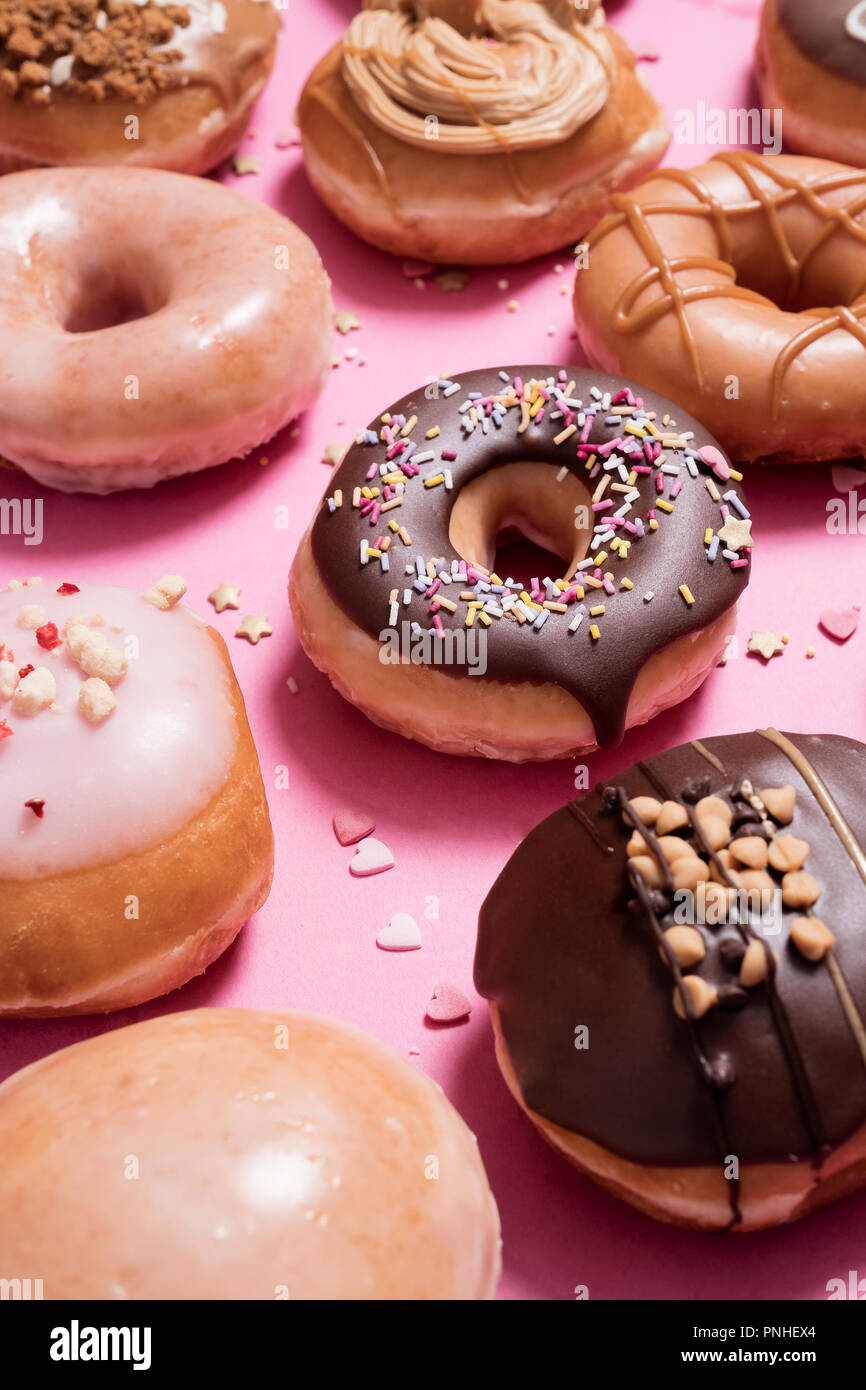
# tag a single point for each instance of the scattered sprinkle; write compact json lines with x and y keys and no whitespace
{"x":254,"y":626}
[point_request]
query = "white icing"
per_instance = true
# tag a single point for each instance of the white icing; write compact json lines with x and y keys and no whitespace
{"x":855,"y":22}
{"x":122,"y":785}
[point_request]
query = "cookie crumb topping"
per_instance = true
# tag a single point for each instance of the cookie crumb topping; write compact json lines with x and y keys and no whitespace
{"x":95,"y":49}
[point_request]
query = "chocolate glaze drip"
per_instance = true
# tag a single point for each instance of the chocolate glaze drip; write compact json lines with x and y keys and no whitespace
{"x":557,"y":947}
{"x":817,"y":27}
{"x":600,"y":675}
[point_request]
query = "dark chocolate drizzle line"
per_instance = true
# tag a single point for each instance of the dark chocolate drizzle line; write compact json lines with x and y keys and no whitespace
{"x":799,"y":1077}
{"x":705,"y":1066}
{"x":830,"y":806}
{"x":589,"y":826}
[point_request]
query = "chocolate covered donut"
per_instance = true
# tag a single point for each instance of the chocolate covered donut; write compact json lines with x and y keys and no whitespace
{"x":709,"y":1070}
{"x":394,"y":587}
{"x":811,"y":65}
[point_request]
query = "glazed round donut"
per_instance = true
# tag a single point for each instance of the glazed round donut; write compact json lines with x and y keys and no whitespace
{"x":811,"y":65}
{"x":394,"y":589}
{"x":739,"y":288}
{"x":134,"y":831}
{"x":143,"y":82}
{"x":476,"y":131}
{"x":149,"y":346}
{"x":278,"y":1155}
{"x":710,"y":1073}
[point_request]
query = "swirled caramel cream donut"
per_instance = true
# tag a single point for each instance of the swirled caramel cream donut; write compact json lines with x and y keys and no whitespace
{"x":149,"y":346}
{"x":134,"y":832}
{"x":476,"y":130}
{"x":739,"y":288}
{"x":676,"y":971}
{"x":395,"y":592}
{"x":811,"y":65}
{"x":278,"y":1155}
{"x":130,"y":81}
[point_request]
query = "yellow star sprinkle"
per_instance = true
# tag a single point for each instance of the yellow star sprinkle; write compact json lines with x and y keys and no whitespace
{"x":253,"y":627}
{"x":765,"y":644}
{"x":225,"y":596}
{"x":736,"y":534}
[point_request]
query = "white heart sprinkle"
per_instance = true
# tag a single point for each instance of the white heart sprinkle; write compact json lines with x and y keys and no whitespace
{"x":401,"y":934}
{"x":372,"y":857}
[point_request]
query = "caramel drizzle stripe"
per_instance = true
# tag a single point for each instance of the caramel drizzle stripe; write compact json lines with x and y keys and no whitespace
{"x":664,"y":271}
{"x":710,"y":757}
{"x":856,"y":853}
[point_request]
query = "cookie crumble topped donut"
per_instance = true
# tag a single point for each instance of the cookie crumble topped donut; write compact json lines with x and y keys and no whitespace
{"x":117,"y":81}
{"x":642,"y":506}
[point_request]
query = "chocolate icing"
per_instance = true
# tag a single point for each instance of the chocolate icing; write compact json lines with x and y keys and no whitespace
{"x":599,"y":674}
{"x":557,"y":948}
{"x":817,"y":27}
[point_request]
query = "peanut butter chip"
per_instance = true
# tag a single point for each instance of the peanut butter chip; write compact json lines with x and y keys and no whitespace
{"x":780,"y":802}
{"x":714,"y":806}
{"x":800,"y":889}
{"x":687,"y":946}
{"x":717,"y":831}
{"x":754,"y":966}
{"x":95,"y":49}
{"x":646,"y":807}
{"x":701,"y":997}
{"x":788,"y":853}
{"x":812,"y":937}
{"x":689,"y":872}
{"x":649,"y":870}
{"x":673,"y":848}
{"x":750,"y":850}
{"x":672,"y":816}
{"x":729,"y":867}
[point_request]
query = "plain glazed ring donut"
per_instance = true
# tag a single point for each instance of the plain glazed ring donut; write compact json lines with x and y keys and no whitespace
{"x":739,"y":288}
{"x":811,"y":65}
{"x":140,"y":347}
{"x":277,"y":1156}
{"x":131,"y":81}
{"x":477,"y":131}
{"x":676,"y":971}
{"x":394,"y":588}
{"x":134,"y":831}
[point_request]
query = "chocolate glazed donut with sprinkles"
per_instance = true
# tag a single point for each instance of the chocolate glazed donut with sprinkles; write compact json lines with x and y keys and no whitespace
{"x":397,"y":597}
{"x":678,"y":1000}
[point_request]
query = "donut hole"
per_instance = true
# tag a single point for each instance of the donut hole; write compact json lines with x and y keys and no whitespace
{"x":106,"y":298}
{"x":523,"y":517}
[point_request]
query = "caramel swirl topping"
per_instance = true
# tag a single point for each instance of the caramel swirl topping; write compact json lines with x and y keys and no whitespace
{"x":528,"y":75}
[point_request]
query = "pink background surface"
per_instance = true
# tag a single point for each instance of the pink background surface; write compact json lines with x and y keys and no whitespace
{"x":313,"y":945}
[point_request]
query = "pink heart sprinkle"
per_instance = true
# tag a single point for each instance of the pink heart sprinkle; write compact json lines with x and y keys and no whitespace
{"x":401,"y":934}
{"x":845,"y":478}
{"x":371,"y":857}
{"x":840,"y":625}
{"x":448,"y":1004}
{"x":351,"y":826}
{"x":715,"y":459}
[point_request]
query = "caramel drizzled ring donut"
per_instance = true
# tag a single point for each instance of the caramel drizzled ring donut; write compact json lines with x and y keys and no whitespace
{"x":642,"y":269}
